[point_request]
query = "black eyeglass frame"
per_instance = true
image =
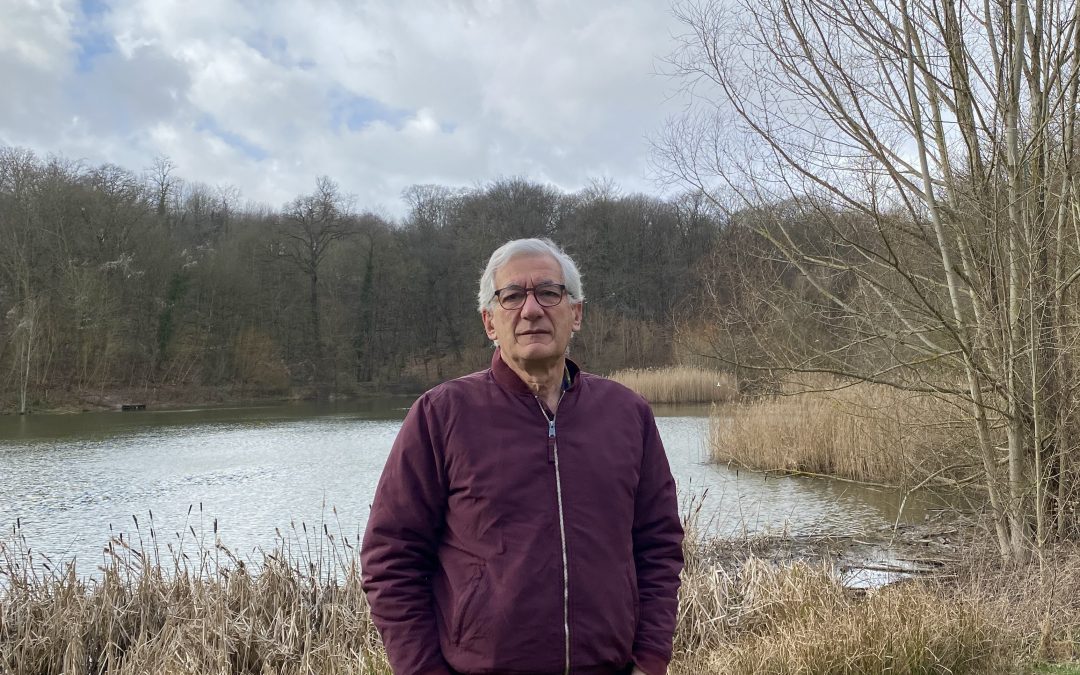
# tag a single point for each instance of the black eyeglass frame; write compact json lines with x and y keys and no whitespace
{"x":525,"y":297}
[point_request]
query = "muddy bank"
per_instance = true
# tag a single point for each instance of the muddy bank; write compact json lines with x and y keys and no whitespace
{"x":863,"y":560}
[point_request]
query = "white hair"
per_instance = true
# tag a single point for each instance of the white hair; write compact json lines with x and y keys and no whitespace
{"x":518,"y":247}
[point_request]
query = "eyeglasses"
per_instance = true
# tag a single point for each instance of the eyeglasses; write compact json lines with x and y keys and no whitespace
{"x":513,"y":297}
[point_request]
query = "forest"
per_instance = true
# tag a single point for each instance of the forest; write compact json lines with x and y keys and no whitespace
{"x":117,"y":282}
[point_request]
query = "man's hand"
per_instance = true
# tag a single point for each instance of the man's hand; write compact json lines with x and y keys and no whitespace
{"x":638,"y":671}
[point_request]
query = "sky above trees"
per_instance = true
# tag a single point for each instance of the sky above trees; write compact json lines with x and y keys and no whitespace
{"x":265,"y":96}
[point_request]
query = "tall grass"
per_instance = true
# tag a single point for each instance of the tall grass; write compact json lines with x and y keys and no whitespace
{"x":756,"y":616}
{"x":862,"y":432}
{"x":800,"y":619}
{"x":301,"y":610}
{"x":679,"y":384}
{"x":1039,"y":602}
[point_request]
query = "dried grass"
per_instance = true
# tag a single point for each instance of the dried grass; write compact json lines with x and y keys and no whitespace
{"x":800,"y":619}
{"x":679,"y":384}
{"x":762,"y":617}
{"x":862,"y":432}
{"x":301,"y":610}
{"x":1039,"y":601}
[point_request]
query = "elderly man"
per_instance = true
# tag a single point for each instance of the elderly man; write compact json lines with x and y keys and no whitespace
{"x":526,"y":519}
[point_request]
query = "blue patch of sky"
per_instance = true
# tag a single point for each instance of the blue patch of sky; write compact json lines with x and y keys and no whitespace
{"x":92,"y":39}
{"x":208,"y":124}
{"x":274,"y":48}
{"x":357,"y":112}
{"x":93,"y":9}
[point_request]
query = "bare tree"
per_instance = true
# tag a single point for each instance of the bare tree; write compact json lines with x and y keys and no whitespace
{"x":163,"y":184}
{"x":21,"y":245}
{"x":934,"y":141}
{"x":310,"y":226}
{"x":26,"y":336}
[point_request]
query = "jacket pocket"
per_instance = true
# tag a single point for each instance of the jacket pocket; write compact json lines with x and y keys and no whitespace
{"x":631,"y":580}
{"x":466,"y":613}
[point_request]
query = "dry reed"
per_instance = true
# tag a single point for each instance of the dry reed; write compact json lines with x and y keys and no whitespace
{"x":301,"y":610}
{"x":863,"y":432}
{"x":762,"y":617}
{"x":800,"y":619}
{"x":679,"y":384}
{"x":1039,"y":601}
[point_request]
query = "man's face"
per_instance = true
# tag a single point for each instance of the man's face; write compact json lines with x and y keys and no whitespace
{"x":532,"y":334}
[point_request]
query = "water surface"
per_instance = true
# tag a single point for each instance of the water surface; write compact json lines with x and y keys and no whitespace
{"x":72,"y":481}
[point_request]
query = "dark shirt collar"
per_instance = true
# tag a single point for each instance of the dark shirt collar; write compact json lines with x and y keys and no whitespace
{"x":506,"y":376}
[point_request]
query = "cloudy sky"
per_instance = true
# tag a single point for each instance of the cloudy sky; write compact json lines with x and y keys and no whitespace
{"x":268,"y":95}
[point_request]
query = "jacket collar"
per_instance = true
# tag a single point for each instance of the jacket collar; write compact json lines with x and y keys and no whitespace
{"x":506,"y":377}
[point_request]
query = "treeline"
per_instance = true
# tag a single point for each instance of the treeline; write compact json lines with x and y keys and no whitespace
{"x":113,"y":280}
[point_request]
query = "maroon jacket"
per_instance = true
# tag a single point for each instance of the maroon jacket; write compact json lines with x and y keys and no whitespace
{"x":464,"y":561}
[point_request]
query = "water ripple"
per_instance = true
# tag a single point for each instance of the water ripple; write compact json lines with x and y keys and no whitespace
{"x":262,"y":470}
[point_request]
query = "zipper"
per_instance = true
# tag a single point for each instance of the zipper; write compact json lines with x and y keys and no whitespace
{"x":553,"y":455}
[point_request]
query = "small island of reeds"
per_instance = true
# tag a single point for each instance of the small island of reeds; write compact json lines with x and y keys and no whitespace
{"x":679,"y":384}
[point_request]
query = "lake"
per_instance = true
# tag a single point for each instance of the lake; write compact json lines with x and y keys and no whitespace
{"x":72,"y":481}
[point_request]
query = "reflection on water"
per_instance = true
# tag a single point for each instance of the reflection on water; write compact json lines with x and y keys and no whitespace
{"x":68,"y":478}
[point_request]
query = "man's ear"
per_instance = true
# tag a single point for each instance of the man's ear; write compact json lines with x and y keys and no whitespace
{"x":489,"y":325}
{"x":578,"y":311}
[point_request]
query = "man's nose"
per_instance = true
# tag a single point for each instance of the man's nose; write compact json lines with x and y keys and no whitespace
{"x":532,"y":309}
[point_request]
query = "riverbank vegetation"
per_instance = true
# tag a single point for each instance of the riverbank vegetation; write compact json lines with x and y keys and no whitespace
{"x":300,"y":609}
{"x":855,"y":430}
{"x":679,"y":384}
{"x":975,"y":617}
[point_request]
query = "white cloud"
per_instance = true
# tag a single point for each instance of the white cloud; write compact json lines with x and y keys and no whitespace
{"x":37,"y":34}
{"x":377,"y":95}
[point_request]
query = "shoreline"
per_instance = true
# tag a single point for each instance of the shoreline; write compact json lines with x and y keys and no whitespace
{"x":68,"y":401}
{"x":179,"y":398}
